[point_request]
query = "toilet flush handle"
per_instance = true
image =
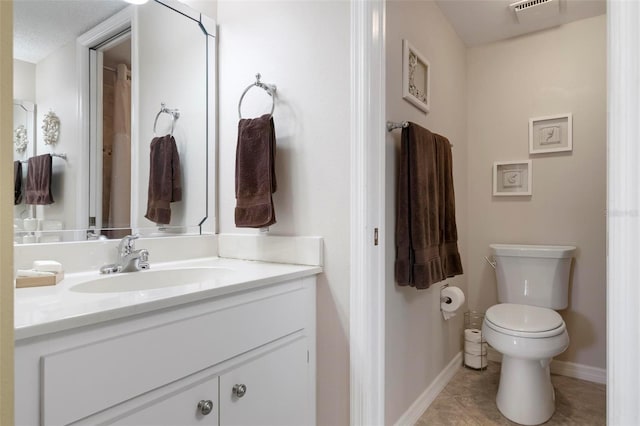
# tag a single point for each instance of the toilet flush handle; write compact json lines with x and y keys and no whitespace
{"x":492,"y":263}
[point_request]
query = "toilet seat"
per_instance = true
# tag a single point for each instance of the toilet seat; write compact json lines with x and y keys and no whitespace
{"x":524,"y":320}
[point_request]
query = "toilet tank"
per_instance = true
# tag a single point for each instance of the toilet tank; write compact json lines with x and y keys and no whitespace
{"x":536,"y":275}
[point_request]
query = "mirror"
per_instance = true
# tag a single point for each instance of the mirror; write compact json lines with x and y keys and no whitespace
{"x":67,"y":70}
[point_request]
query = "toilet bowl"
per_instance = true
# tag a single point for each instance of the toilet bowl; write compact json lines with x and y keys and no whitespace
{"x":528,"y":337}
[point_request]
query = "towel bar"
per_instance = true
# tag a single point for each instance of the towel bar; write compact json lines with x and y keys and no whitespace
{"x":392,"y":125}
{"x":53,"y":154}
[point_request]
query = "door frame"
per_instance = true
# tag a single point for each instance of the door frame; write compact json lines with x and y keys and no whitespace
{"x":367,"y":271}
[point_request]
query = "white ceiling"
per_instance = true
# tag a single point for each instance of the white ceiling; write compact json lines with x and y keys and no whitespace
{"x":484,"y":21}
{"x":42,"y":26}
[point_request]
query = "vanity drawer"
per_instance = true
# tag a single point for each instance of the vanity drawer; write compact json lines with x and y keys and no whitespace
{"x":86,"y":379}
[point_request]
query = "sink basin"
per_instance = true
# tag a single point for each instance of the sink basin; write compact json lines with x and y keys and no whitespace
{"x":151,"y":279}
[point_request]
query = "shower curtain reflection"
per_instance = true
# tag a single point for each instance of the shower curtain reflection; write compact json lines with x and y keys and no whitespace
{"x":117,"y":157}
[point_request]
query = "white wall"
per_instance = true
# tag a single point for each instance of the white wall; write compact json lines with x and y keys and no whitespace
{"x":24,"y":81}
{"x":554,"y":71}
{"x":419,"y":343}
{"x":206,"y":7}
{"x":303,"y":48}
{"x":56,"y":90}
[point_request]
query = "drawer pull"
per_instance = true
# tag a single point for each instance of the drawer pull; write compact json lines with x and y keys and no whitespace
{"x":239,"y":391}
{"x":205,"y":407}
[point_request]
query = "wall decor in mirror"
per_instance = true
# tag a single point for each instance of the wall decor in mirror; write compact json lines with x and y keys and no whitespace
{"x":98,"y":73}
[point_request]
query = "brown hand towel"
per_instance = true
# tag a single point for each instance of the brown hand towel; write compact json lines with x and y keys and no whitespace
{"x":255,"y":173}
{"x":426,"y":234}
{"x":449,"y":254}
{"x":164,"y":179}
{"x":17,"y":182}
{"x":38,"y":188}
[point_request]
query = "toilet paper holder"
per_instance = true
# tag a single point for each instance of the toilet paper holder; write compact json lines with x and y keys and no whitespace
{"x":445,"y":299}
{"x":451,"y":300}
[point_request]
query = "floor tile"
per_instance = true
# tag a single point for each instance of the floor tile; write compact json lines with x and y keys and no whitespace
{"x":469,"y":399}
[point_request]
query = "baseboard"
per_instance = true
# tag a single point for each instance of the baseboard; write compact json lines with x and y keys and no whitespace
{"x":420,"y":405}
{"x":579,"y":371}
{"x":565,"y":368}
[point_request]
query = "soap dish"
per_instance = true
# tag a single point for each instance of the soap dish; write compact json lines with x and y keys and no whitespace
{"x":22,"y":282}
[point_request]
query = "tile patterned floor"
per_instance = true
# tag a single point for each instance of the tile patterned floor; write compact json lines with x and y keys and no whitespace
{"x":469,"y":399}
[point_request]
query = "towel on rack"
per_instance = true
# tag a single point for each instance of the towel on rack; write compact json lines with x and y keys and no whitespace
{"x":255,"y":172}
{"x":38,"y":187}
{"x":426,"y":232}
{"x":17,"y":182}
{"x":164,"y":179}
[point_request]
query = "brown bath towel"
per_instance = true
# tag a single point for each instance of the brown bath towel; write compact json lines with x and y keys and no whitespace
{"x":17,"y":182}
{"x":255,"y":173}
{"x":426,"y":232}
{"x":164,"y":179}
{"x":38,"y":188}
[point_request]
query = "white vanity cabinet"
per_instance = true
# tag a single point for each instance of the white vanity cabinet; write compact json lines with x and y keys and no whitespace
{"x":267,"y":389}
{"x":244,"y":358}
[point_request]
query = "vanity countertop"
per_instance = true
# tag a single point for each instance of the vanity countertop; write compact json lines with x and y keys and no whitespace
{"x":43,"y":310}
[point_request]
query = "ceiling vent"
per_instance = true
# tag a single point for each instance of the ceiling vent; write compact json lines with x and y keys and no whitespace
{"x":535,"y":11}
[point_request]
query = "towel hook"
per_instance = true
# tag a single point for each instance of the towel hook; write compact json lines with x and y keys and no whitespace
{"x":269,"y":88}
{"x":174,"y":113}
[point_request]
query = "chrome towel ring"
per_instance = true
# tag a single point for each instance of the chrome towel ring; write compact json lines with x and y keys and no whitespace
{"x":174,"y":113}
{"x":269,"y":88}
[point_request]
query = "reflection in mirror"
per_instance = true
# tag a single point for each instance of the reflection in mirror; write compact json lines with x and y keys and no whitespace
{"x":103,"y":187}
{"x":111,"y":76}
{"x":23,"y":123}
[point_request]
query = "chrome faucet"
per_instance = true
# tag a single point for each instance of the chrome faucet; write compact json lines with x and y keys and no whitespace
{"x":129,"y":259}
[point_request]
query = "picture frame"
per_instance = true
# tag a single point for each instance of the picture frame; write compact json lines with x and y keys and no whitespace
{"x":552,"y":133}
{"x":512,"y":178}
{"x":416,"y":77}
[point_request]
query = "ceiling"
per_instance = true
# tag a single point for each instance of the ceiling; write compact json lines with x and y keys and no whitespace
{"x":483,"y":21}
{"x":42,"y":26}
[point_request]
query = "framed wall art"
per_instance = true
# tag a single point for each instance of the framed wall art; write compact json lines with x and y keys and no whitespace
{"x":416,"y":73}
{"x":552,"y":133}
{"x":512,"y":178}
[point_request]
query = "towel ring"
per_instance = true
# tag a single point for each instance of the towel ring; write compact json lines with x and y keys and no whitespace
{"x":269,"y":88}
{"x":174,"y":113}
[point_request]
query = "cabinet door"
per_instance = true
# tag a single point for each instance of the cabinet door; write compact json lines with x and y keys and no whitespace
{"x":276,"y":389}
{"x":176,"y":406}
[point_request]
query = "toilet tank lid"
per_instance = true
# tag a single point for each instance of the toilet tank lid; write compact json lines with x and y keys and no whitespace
{"x":530,"y":250}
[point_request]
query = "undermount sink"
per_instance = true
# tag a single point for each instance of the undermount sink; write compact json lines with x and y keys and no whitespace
{"x":151,"y":279}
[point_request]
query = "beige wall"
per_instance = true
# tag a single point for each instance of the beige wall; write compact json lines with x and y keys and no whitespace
{"x":6,"y":214}
{"x":419,"y":343}
{"x":303,"y":48}
{"x":555,"y":71}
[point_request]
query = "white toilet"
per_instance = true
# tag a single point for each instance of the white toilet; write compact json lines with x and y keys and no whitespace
{"x":533,"y":282}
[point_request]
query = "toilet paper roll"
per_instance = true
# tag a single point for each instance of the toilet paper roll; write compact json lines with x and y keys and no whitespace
{"x":29,"y":239}
{"x":475,"y":361}
{"x":30,"y":224}
{"x":475,"y":348}
{"x":473,"y":335}
{"x":451,"y":299}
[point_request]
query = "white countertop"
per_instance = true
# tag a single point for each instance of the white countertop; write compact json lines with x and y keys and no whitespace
{"x":43,"y":310}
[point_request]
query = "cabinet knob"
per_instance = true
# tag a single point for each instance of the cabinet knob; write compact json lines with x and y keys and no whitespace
{"x":239,"y":390}
{"x":205,"y":407}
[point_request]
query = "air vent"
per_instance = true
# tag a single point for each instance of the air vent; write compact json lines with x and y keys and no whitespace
{"x":536,"y":11}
